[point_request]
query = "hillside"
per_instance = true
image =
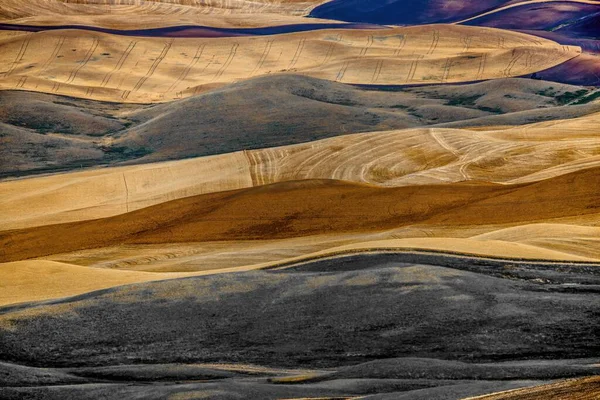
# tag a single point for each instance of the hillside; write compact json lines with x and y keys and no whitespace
{"x":45,"y":133}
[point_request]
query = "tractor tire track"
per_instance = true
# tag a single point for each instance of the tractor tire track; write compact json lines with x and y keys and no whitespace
{"x":227,"y":63}
{"x":511,"y":64}
{"x":342,"y":71}
{"x":413,"y":68}
{"x":297,"y":54}
{"x":377,"y":71}
{"x":401,"y":46}
{"x":87,"y":58}
{"x":467,"y":40}
{"x":21,"y":82}
{"x":55,"y":52}
{"x":20,"y":55}
{"x":120,"y":62}
{"x":365,"y":49}
{"x":186,"y":71}
{"x":481,"y":69}
{"x":434,"y":42}
{"x":152,"y":68}
{"x":263,"y":57}
{"x":446,"y":70}
{"x":330,"y":49}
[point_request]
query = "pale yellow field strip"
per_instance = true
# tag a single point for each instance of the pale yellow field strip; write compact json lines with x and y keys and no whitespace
{"x":133,"y":69}
{"x":397,"y":158}
{"x":522,"y":3}
{"x":435,"y":155}
{"x":290,"y":7}
{"x":15,"y":9}
{"x":97,"y":193}
{"x":36,"y":280}
{"x":214,"y":256}
{"x":149,"y":21}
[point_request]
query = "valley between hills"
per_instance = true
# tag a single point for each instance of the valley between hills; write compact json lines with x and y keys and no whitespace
{"x":299,"y":199}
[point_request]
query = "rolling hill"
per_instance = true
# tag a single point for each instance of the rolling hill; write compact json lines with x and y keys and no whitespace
{"x":100,"y":66}
{"x":299,"y":199}
{"x":45,"y":133}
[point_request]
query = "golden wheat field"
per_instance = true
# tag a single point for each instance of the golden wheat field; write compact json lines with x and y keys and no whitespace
{"x":297,"y":199}
{"x":116,"y":68}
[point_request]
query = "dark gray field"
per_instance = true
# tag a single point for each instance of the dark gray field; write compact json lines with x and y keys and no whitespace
{"x":394,"y":326}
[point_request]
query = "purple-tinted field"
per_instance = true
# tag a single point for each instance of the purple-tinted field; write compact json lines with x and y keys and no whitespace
{"x":193,"y":31}
{"x":545,"y":16}
{"x":402,"y":12}
{"x":582,"y":70}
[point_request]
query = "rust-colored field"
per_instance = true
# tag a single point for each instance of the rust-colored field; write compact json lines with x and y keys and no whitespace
{"x":317,"y":207}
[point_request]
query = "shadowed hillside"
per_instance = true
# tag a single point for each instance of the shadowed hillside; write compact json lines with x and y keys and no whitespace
{"x":331,"y":323}
{"x":400,"y":12}
{"x":45,"y":133}
{"x":300,"y":199}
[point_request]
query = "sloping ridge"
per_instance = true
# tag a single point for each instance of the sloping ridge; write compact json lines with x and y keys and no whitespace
{"x":293,"y":209}
{"x":21,"y":280}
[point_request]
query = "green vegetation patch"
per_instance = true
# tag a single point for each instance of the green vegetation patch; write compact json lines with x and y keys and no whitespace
{"x":124,"y":152}
{"x":468,"y":101}
{"x":588,"y":99}
{"x":568,"y":97}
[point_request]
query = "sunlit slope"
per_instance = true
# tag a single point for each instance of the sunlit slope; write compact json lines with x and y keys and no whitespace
{"x":98,"y":193}
{"x":44,"y":133}
{"x":574,"y":389}
{"x":397,"y":158}
{"x":37,"y":280}
{"x":155,"y":14}
{"x":304,"y":208}
{"x":229,"y":256}
{"x":132,"y":69}
{"x":131,"y":20}
{"x":437,"y":155}
{"x":13,"y":9}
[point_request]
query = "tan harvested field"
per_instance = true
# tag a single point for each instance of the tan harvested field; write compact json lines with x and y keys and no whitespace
{"x":131,"y":69}
{"x":46,"y":279}
{"x":305,"y":208}
{"x":37,"y":280}
{"x":193,"y":205}
{"x":521,"y":154}
{"x":574,"y":389}
{"x":220,"y":257}
{"x":99,"y":193}
{"x":124,"y":21}
{"x":15,"y":9}
{"x":155,"y":14}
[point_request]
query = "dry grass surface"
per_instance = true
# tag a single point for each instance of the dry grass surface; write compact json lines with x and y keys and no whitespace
{"x":305,"y":208}
{"x":219,"y":257}
{"x":127,"y":15}
{"x":132,"y":69}
{"x":521,"y":154}
{"x":575,"y":389}
{"x":15,"y":9}
{"x":124,"y":21}
{"x":45,"y":133}
{"x":475,"y":240}
{"x":37,"y":280}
